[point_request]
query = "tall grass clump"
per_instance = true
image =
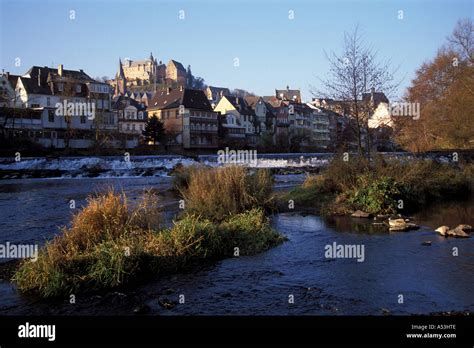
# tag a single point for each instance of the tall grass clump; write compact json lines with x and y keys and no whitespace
{"x":218,"y":193}
{"x":195,"y":238}
{"x":111,"y":243}
{"x":103,"y":246}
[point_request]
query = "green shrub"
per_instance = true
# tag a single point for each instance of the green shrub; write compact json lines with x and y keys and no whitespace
{"x":374,"y":195}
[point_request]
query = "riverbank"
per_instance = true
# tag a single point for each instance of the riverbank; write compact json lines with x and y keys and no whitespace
{"x":382,"y":187}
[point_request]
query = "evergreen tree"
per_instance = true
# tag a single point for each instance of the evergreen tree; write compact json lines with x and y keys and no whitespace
{"x":154,"y":130}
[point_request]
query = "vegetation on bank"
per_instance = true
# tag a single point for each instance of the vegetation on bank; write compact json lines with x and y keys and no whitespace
{"x":112,"y":242}
{"x":382,"y":186}
{"x":217,"y":193}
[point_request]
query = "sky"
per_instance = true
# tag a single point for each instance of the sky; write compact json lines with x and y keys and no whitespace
{"x":275,"y":43}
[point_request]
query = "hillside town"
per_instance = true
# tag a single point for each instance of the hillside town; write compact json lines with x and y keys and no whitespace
{"x":59,"y":108}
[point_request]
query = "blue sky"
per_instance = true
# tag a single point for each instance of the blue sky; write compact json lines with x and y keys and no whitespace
{"x":273,"y":50}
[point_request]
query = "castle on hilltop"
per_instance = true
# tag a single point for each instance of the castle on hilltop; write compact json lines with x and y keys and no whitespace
{"x":147,"y":75}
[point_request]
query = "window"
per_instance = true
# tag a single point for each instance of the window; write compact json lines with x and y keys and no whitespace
{"x":35,"y":105}
{"x":50,"y":116}
{"x":133,"y":126}
{"x":140,"y":115}
{"x":48,"y":101}
{"x":83,"y":119}
{"x":60,"y":87}
{"x":78,"y":88}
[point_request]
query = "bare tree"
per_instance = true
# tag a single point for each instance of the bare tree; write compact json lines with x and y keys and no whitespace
{"x":354,"y":72}
{"x":462,"y":39}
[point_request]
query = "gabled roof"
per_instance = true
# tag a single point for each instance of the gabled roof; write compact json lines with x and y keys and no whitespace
{"x":13,"y":80}
{"x":44,"y":71}
{"x":189,"y":98}
{"x":240,"y":105}
{"x":31,"y":86}
{"x":178,"y":65}
{"x":121,"y":102}
{"x":378,"y":97}
{"x":218,"y":90}
{"x":135,"y":63}
{"x":300,"y":107}
{"x":252,"y":100}
{"x":273,"y":101}
{"x":288,"y":94}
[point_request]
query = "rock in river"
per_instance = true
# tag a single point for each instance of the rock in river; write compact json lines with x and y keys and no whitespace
{"x":401,"y":225}
{"x":360,"y":214}
{"x":442,"y":230}
{"x":459,"y":231}
{"x":465,"y":228}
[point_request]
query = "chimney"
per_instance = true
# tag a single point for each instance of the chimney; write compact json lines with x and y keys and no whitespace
{"x":221,"y":93}
{"x":80,"y":70}
{"x":168,"y":90}
{"x":8,"y":75}
{"x":60,"y":70}
{"x":39,"y":77}
{"x":287,"y":87}
{"x":372,"y":90}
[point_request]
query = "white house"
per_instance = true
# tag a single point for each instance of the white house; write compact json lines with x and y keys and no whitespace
{"x":67,"y":108}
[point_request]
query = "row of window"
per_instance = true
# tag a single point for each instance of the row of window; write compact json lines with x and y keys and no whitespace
{"x":133,"y":127}
{"x":202,"y":140}
{"x":166,"y":114}
{"x":201,"y":126}
{"x":132,"y":115}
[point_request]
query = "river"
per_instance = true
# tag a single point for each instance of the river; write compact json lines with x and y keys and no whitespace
{"x":398,"y":275}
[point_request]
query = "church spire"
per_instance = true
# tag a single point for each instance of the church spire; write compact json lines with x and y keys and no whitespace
{"x":120,"y":81}
{"x":120,"y":72}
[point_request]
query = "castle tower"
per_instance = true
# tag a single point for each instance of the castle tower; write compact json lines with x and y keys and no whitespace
{"x":120,"y":81}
